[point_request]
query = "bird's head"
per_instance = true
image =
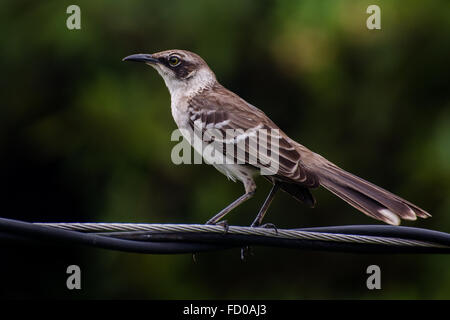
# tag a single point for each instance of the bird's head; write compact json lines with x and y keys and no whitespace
{"x":180,"y":69}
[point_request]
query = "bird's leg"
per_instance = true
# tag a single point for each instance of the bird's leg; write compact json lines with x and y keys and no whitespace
{"x":231,"y":206}
{"x":246,"y":251}
{"x":258,"y":220}
{"x":250,"y":187}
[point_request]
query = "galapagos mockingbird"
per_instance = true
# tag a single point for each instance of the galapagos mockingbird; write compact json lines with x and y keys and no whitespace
{"x":198,"y":100}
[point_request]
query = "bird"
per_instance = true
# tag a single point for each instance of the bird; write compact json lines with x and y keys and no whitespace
{"x":200,"y":102}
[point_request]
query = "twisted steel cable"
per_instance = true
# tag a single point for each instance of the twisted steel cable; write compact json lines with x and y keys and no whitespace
{"x":238,"y":230}
{"x":191,"y":238}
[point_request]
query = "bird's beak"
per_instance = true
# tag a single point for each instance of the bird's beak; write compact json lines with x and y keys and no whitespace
{"x":141,"y":57}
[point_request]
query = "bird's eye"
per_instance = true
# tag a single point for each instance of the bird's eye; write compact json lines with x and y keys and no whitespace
{"x":174,"y":61}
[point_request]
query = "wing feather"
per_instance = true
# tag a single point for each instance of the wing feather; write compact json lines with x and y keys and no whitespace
{"x":238,"y":123}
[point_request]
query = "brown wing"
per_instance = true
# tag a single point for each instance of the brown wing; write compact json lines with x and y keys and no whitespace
{"x":222,"y":111}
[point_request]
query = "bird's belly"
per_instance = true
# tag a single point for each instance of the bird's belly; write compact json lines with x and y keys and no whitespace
{"x":236,"y":171}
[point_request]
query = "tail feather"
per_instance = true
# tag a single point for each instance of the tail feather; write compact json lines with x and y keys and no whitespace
{"x":372,"y":200}
{"x":299,"y":193}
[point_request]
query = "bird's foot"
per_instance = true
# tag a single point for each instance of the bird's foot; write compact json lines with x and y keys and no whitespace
{"x":267,"y":226}
{"x":223,"y":223}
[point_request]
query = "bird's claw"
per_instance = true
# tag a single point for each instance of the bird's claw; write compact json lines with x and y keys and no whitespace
{"x":223,"y":223}
{"x":266,"y":226}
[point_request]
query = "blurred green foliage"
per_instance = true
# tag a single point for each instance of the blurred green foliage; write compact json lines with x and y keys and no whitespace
{"x":85,"y":137}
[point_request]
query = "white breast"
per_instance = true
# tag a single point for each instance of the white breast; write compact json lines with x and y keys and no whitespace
{"x":181,"y":91}
{"x":179,"y":112}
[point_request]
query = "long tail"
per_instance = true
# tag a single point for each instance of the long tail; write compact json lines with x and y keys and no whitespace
{"x":370,"y":199}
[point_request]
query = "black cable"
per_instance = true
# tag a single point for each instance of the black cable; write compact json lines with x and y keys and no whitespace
{"x":237,"y":240}
{"x":19,"y":230}
{"x":190,"y":242}
{"x":388,"y":231}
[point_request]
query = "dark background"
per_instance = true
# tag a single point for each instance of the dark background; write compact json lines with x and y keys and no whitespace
{"x":86,"y":138}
